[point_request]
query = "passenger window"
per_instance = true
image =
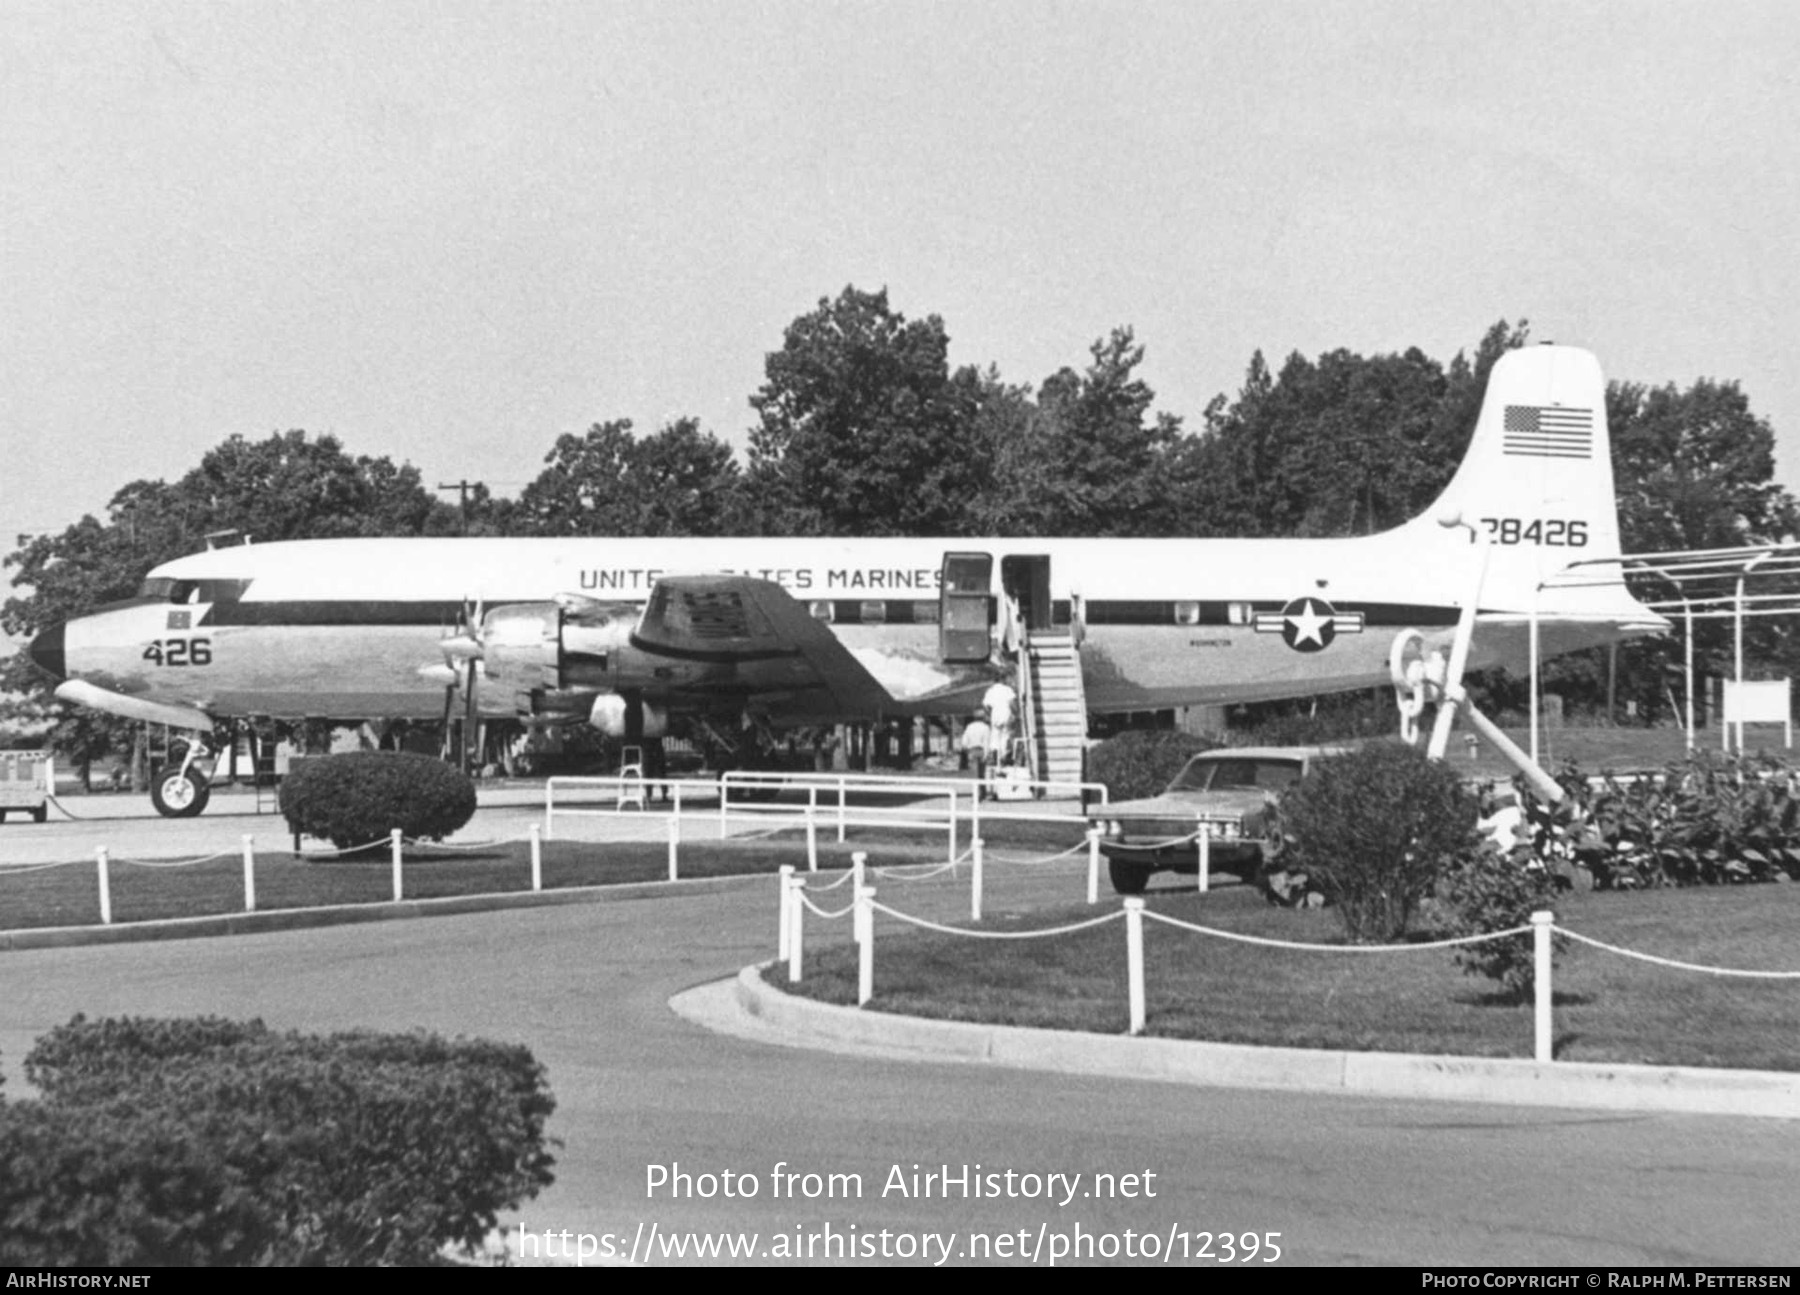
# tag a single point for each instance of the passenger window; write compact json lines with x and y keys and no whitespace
{"x":1238,"y":613}
{"x":873,"y":612}
{"x":821,"y":611}
{"x":1187,"y":613}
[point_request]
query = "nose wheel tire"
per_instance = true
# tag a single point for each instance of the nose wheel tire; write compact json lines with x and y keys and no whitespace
{"x":1128,"y":878}
{"x":179,"y":795}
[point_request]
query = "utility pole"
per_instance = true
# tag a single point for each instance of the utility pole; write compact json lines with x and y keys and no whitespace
{"x":462,"y":488}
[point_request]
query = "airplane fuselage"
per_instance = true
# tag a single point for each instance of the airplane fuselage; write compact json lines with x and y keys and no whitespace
{"x":343,"y":629}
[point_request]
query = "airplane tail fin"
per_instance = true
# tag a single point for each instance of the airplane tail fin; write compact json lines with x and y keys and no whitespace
{"x":1537,"y":481}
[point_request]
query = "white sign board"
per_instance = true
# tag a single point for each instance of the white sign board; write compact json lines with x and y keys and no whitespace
{"x":1763,"y":701}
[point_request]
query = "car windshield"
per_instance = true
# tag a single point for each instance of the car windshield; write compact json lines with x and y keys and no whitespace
{"x":1236,"y":773}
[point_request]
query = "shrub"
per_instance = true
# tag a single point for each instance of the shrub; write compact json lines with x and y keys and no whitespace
{"x":352,"y":800}
{"x":1141,"y":762}
{"x":1373,"y":829}
{"x":348,"y":1148}
{"x":121,"y":1186}
{"x":1494,"y":890}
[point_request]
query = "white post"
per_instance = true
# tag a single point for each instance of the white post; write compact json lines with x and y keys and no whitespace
{"x":1205,"y":852}
{"x":1134,"y":960}
{"x":843,"y":784}
{"x":394,"y":839}
{"x":549,"y":808}
{"x":785,"y":917}
{"x":724,"y":794}
{"x":674,"y":845}
{"x":975,"y":880}
{"x":105,"y":887}
{"x":249,"y":874}
{"x":865,"y":940}
{"x":537,"y":858}
{"x":859,"y":863}
{"x":952,"y":855}
{"x":1540,"y":931}
{"x":796,"y":929}
{"x":812,"y":831}
{"x":1093,"y":865}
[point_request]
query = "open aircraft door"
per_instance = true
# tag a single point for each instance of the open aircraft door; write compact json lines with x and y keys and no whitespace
{"x":965,"y":607}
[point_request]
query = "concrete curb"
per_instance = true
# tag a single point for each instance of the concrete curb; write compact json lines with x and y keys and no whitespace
{"x":296,"y":919}
{"x":1683,"y":1089}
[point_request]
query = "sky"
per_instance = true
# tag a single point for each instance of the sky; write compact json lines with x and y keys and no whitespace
{"x":449,"y":232}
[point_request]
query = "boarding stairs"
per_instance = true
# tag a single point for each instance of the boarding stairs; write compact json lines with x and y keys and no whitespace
{"x":1054,"y":706}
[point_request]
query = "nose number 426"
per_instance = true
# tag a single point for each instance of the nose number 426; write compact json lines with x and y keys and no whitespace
{"x":179,"y":652}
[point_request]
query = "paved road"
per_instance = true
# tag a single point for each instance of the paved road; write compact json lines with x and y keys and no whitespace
{"x":1342,"y":1180}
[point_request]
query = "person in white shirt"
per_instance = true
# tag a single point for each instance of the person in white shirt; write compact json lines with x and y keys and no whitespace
{"x":999,"y":703}
{"x":975,"y":741}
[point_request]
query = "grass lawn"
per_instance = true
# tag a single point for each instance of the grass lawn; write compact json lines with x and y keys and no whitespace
{"x":1608,"y":1008}
{"x":68,"y":895}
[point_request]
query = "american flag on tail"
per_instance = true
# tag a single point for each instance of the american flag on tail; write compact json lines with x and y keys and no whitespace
{"x":1548,"y":432}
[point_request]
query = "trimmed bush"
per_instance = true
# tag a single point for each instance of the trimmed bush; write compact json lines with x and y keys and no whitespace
{"x":215,"y":1141}
{"x":355,"y":799}
{"x":1141,"y":762}
{"x":1373,"y":830}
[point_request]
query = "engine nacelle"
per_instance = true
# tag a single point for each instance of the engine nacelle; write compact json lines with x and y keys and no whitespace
{"x":521,"y":647}
{"x":613,"y":716}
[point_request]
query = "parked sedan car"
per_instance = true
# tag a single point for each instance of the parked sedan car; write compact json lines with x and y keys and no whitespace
{"x":1227,"y":794}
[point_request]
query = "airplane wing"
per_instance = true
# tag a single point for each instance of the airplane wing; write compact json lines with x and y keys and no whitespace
{"x":738,"y":634}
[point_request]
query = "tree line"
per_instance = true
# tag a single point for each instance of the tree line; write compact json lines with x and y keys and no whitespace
{"x":862,"y":427}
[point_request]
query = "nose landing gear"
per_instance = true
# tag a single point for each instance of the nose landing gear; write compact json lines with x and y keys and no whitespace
{"x":182,"y":790}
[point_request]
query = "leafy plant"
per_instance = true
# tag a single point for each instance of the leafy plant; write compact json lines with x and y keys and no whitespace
{"x":1373,"y":829}
{"x":1706,"y":820}
{"x":217,"y":1141}
{"x":354,"y":799}
{"x":1494,"y":890}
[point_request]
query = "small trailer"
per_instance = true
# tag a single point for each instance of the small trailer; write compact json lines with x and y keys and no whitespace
{"x":27,"y":781}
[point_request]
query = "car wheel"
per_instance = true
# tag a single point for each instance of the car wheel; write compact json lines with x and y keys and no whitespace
{"x":1128,"y":878}
{"x":179,"y":795}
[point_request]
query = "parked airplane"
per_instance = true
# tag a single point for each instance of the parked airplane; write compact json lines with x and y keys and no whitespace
{"x":729,"y":636}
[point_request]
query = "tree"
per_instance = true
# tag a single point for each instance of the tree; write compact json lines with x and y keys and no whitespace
{"x":862,"y":430}
{"x":1092,"y":460}
{"x":680,"y":481}
{"x":287,"y":487}
{"x":1345,"y":445}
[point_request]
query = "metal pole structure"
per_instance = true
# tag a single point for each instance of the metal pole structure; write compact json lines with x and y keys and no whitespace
{"x":1534,"y":681}
{"x":395,"y":837}
{"x":537,"y":858}
{"x":1093,"y":893}
{"x":1738,"y":618}
{"x":1688,"y":609}
{"x":1459,"y":647}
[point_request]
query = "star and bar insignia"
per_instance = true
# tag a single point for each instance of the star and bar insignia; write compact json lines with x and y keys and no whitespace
{"x":1308,"y":624}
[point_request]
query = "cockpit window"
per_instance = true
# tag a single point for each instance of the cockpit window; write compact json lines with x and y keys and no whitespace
{"x":167,"y":589}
